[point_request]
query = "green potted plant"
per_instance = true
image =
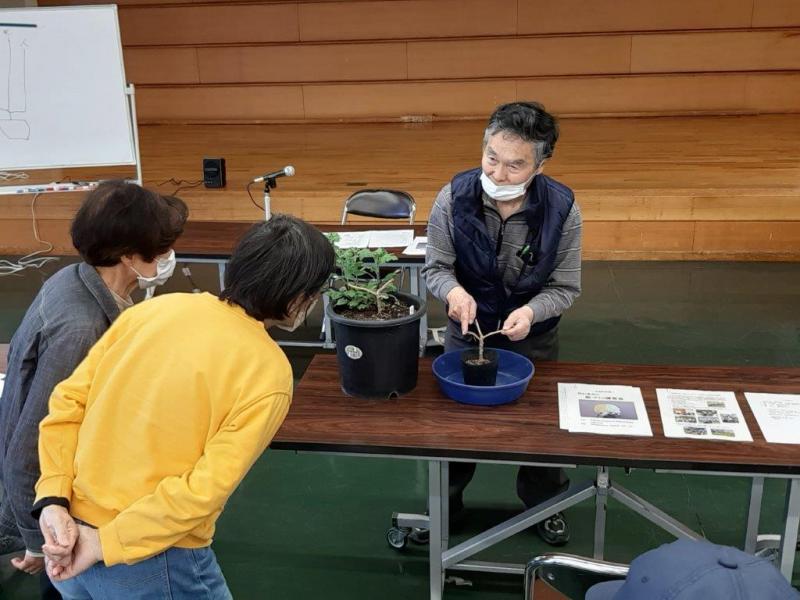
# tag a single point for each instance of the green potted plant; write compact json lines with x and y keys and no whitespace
{"x":479,"y":366}
{"x":376,"y":327}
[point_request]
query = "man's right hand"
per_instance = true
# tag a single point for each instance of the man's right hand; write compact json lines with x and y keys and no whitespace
{"x":60,"y":533}
{"x":461,"y":307}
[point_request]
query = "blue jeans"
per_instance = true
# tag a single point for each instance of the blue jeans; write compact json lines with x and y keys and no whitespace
{"x":177,"y":574}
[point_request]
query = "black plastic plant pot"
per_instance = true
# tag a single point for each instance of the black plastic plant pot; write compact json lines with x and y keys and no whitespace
{"x":378,"y":359}
{"x":482,"y":374}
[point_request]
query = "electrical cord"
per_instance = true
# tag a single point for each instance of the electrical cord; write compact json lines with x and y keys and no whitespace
{"x":34,"y":260}
{"x":13,"y":176}
{"x":180,"y":184}
{"x":188,"y":274}
{"x":256,"y":204}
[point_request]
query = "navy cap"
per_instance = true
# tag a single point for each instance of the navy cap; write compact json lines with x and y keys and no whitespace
{"x":689,"y":570}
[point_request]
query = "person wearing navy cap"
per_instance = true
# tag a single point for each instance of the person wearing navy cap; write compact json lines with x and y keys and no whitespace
{"x":689,"y":570}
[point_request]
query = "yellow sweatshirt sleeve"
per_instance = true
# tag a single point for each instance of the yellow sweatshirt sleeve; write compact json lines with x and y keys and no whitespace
{"x":58,"y":431}
{"x":155,"y":522}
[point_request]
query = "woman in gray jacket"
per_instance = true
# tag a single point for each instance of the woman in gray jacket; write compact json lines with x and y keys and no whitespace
{"x":124,"y":234}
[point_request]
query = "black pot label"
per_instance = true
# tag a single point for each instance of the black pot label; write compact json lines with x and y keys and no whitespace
{"x":353,"y":352}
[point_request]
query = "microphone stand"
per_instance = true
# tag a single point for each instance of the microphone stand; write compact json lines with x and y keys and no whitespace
{"x":269,"y":183}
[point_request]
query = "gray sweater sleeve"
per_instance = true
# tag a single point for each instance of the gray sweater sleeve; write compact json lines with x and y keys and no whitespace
{"x":57,"y":359}
{"x":564,"y":285}
{"x":440,"y":255}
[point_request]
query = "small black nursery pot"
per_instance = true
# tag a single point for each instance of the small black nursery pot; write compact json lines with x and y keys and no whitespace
{"x":483,"y":373}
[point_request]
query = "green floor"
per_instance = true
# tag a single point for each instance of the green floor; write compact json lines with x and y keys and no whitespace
{"x":303,"y":526}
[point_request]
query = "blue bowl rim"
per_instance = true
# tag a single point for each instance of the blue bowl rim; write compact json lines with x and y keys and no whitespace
{"x":473,"y":387}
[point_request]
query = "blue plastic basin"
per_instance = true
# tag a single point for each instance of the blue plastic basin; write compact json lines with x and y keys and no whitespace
{"x":514,"y":371}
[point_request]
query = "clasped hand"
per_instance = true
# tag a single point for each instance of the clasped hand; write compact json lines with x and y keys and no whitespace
{"x":69,"y":549}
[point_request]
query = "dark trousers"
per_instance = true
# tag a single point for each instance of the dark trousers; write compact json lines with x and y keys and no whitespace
{"x":534,"y":484}
{"x":48,"y":590}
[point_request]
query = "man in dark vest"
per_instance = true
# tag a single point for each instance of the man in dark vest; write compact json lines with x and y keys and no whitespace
{"x":504,"y":248}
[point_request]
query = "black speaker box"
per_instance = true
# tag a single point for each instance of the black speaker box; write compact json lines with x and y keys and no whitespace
{"x":214,"y":172}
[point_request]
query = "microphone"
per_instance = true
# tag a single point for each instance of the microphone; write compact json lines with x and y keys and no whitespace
{"x":287,"y":171}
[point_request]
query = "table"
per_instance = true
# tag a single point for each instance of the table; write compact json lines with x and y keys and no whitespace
{"x":426,"y":425}
{"x":213,"y":242}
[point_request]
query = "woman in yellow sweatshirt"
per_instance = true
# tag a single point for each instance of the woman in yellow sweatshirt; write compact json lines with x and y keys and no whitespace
{"x":151,"y":434}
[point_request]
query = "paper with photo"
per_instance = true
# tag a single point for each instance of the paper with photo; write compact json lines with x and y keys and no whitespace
{"x":390,"y":238}
{"x":417,"y":247}
{"x":352,"y":239}
{"x":603,"y":409}
{"x":778,"y":415}
{"x":702,"y":415}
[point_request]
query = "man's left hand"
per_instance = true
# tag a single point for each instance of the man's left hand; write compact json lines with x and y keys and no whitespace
{"x":29,"y":563}
{"x":518,"y":324}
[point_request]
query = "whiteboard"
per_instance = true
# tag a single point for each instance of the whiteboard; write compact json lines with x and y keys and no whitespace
{"x":62,"y":89}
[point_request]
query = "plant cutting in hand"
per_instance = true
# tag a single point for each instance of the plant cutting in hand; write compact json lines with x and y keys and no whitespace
{"x":481,"y":337}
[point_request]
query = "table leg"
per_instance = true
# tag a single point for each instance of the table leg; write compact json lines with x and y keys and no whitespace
{"x":417,"y":287}
{"x":436,"y":506}
{"x":754,"y":514}
{"x":327,"y":326}
{"x":221,"y":269}
{"x":601,"y":503}
{"x":791,"y":523}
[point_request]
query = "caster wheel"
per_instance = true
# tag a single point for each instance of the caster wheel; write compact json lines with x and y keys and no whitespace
{"x":419,"y":536}
{"x":397,"y":538}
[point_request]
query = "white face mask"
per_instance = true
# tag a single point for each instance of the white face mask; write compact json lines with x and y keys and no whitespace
{"x":298,"y":320}
{"x":164,"y":269}
{"x":503,"y":193}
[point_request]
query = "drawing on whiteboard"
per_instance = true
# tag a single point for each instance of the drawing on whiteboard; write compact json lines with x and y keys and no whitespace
{"x":13,"y":80}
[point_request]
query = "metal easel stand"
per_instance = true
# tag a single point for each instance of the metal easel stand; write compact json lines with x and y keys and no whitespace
{"x":130,"y":93}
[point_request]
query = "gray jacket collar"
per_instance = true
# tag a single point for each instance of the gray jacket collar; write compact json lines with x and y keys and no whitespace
{"x":95,"y":284}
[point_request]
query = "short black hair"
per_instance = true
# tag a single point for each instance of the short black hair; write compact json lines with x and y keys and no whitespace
{"x":274,"y":263}
{"x":528,"y":120}
{"x":118,"y":218}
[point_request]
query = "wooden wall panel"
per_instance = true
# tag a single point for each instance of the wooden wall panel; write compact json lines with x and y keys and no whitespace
{"x":224,"y":103}
{"x":776,"y":13}
{"x":161,"y":65}
{"x":453,"y":99}
{"x":573,"y":16}
{"x":303,"y":63}
{"x":566,"y":96}
{"x":773,"y":93}
{"x":691,"y":205}
{"x":519,"y":57}
{"x":640,"y":94}
{"x":215,"y":24}
{"x":406,"y":19}
{"x":743,"y":236}
{"x":723,"y":51}
{"x":638,"y":236}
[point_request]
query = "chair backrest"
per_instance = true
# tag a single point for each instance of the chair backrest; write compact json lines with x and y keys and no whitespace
{"x":570,"y":575}
{"x":381,"y":204}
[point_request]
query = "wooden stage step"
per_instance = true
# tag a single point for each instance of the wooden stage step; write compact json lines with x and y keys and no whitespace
{"x":670,"y":188}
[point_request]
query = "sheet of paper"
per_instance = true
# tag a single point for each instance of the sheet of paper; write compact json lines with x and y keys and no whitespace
{"x":702,"y":415}
{"x":604,"y":409}
{"x":778,"y":415}
{"x":352,"y":239}
{"x":2,"y":381}
{"x":397,"y":238}
{"x":417,"y":247}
